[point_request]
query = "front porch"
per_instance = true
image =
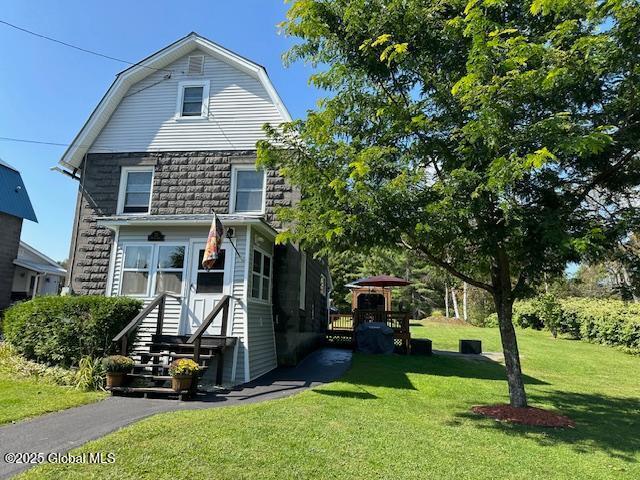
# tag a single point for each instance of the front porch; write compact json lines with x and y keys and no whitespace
{"x":153,"y":358}
{"x":162,"y":255}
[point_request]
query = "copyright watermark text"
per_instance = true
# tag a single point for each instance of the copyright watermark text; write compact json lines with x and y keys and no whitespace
{"x":57,"y":457}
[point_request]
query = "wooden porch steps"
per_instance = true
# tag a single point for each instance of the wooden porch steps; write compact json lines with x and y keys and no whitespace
{"x":150,"y":365}
{"x":176,"y":355}
{"x":145,"y":391}
{"x":150,"y":376}
{"x":198,"y":347}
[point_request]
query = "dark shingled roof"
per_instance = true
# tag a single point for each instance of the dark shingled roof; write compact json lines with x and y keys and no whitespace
{"x":14,"y":199}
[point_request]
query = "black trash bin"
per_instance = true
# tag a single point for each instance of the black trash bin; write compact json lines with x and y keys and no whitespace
{"x":473,"y":347}
{"x":374,"y":338}
{"x":421,"y":346}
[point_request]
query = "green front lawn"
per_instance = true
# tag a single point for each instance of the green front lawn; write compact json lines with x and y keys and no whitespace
{"x":403,"y":417}
{"x":22,"y":398}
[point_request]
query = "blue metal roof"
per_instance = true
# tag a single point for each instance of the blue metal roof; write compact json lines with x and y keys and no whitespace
{"x":14,"y":199}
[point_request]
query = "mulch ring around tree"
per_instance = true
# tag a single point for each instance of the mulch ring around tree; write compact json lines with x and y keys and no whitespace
{"x":524,"y":416}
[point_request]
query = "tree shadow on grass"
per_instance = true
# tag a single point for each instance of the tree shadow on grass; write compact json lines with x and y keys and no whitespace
{"x":392,"y":371}
{"x":362,"y":395}
{"x":610,"y":424}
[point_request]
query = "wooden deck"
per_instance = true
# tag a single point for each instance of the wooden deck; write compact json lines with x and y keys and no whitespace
{"x":342,"y":326}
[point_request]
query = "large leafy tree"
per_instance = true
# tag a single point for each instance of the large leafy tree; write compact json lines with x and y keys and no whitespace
{"x":498,"y":139}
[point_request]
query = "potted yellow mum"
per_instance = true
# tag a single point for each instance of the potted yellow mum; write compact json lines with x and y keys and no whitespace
{"x":182,"y":371}
{"x":117,"y":367}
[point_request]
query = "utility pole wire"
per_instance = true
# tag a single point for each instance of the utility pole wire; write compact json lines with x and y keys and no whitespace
{"x":45,"y":37}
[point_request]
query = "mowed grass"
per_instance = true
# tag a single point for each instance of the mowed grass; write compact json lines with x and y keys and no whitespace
{"x":23,"y":398}
{"x":403,"y":417}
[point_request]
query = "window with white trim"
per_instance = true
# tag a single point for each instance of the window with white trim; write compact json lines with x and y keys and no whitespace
{"x":193,"y":99}
{"x":169,"y":268}
{"x":136,"y":270}
{"x":261,"y":276}
{"x":135,"y":190}
{"x":247,"y":190}
{"x":148,"y":270}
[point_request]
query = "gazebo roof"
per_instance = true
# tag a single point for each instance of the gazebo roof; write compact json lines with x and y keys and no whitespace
{"x":380,"y":281}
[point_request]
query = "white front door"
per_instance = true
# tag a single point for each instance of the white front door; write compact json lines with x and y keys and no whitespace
{"x":206,"y":288}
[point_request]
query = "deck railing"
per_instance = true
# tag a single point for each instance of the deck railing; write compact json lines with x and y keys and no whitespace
{"x":196,"y":337}
{"x":158,"y":302}
{"x":341,"y":323}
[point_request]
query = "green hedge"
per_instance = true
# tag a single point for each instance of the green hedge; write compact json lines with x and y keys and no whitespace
{"x":62,"y":330}
{"x":609,"y":322}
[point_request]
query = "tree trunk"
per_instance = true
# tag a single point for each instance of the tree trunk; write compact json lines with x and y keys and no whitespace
{"x":464,"y":301}
{"x":627,"y":282}
{"x":446,"y":301}
{"x":504,"y":307}
{"x":455,"y":303}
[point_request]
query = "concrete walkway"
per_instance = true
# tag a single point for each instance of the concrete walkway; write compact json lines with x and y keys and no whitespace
{"x":65,"y":430}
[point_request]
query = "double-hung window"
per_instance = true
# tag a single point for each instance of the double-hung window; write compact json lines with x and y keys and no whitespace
{"x":148,"y":270}
{"x":261,"y":276}
{"x":193,"y":99}
{"x":169,"y":267}
{"x":135,"y":190}
{"x":247,"y":190}
{"x":136,"y":270}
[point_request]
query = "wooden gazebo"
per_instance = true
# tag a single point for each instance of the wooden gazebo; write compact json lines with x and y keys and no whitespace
{"x":371,"y":302}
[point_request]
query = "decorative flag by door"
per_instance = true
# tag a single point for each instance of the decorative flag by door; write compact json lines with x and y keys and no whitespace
{"x":212,"y":250}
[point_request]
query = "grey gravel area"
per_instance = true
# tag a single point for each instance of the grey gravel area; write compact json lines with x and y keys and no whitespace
{"x":62,"y":431}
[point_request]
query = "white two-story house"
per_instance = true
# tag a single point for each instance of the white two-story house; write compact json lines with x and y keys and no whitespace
{"x":172,"y":141}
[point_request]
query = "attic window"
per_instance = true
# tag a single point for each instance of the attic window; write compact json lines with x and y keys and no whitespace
{"x":195,"y":65}
{"x":193,"y":99}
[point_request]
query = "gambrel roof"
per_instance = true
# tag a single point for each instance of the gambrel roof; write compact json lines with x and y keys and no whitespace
{"x":72,"y":157}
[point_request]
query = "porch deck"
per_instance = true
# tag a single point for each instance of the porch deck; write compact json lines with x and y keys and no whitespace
{"x":342,"y":326}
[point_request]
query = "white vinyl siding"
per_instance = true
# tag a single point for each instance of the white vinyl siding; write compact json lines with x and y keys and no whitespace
{"x":238,"y":107}
{"x":261,"y":335}
{"x":262,"y":351}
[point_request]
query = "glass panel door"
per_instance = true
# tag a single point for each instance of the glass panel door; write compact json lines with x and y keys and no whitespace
{"x":206,"y":288}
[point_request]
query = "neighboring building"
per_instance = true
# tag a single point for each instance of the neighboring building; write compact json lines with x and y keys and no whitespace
{"x":14,"y":207}
{"x":35,"y":274}
{"x":172,"y":141}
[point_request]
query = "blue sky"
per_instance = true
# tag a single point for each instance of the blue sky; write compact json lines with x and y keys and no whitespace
{"x":47,"y":91}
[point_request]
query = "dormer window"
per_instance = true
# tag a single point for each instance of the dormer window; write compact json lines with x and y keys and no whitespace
{"x":193,"y":99}
{"x":135,"y":190}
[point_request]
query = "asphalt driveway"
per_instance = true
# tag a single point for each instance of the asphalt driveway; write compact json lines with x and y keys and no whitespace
{"x":62,"y":431}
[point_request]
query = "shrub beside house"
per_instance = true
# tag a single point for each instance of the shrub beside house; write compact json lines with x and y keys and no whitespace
{"x":63,"y":330}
